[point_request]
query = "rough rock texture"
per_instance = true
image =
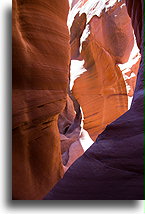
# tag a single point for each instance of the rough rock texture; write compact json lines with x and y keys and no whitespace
{"x":105,"y":61}
{"x":40,"y":81}
{"x":112,"y":168}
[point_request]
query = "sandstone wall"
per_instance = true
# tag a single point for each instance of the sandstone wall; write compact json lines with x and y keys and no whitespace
{"x":40,"y":81}
{"x":112,"y":168}
{"x":105,"y":61}
{"x":104,"y":65}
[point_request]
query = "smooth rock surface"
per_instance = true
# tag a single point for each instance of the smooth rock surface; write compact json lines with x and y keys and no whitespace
{"x":41,"y":57}
{"x":112,"y":168}
{"x":105,"y":61}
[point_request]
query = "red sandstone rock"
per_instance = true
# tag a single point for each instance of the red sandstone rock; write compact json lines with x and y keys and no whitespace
{"x":105,"y":61}
{"x":40,"y":79}
{"x":112,"y":168}
{"x":103,"y":73}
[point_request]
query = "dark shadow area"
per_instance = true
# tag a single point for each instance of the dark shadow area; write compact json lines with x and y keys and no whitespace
{"x":8,"y":103}
{"x":79,"y":204}
{"x":8,"y":146}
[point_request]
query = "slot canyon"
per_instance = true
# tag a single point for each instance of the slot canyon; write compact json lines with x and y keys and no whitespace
{"x":77,"y":78}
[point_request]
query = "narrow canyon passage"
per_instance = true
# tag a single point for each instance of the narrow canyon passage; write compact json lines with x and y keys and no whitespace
{"x":75,"y":66}
{"x":104,"y":64}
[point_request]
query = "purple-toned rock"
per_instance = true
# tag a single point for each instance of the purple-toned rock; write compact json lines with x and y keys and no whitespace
{"x":112,"y":168}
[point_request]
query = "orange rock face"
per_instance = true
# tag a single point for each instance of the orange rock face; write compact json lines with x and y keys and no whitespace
{"x":40,"y":79}
{"x":104,"y":64}
{"x":105,"y":61}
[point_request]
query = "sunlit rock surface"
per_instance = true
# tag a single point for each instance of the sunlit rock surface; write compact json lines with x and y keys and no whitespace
{"x":49,"y":131}
{"x":112,"y":168}
{"x":105,"y":61}
{"x":40,"y":81}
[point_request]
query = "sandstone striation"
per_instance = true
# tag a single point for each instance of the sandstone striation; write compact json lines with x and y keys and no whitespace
{"x":104,"y":61}
{"x":55,"y":121}
{"x":40,"y":80}
{"x":112,"y":168}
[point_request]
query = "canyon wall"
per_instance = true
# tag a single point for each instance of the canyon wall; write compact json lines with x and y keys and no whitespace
{"x":112,"y":168}
{"x":40,"y":80}
{"x":104,"y":61}
{"x":53,"y":120}
{"x":104,"y":64}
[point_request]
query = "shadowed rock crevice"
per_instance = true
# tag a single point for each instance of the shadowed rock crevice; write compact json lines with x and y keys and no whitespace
{"x":112,"y":168}
{"x":74,"y":77}
{"x":104,"y":65}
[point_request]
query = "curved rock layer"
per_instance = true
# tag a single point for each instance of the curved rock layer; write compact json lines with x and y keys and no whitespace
{"x":105,"y":61}
{"x":40,"y":80}
{"x":112,"y":168}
